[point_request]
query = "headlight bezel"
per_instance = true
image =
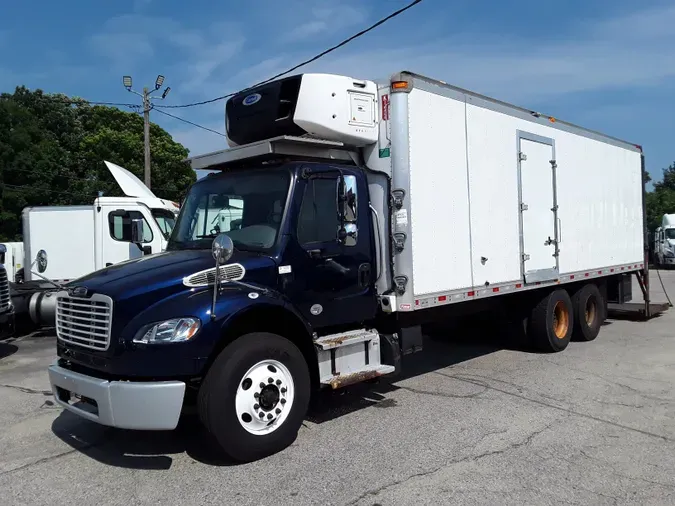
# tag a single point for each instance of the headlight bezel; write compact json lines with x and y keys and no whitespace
{"x":179,"y":330}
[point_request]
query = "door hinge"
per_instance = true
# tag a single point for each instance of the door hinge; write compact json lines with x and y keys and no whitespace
{"x":522,"y":157}
{"x":554,"y":208}
{"x":524,"y":207}
{"x":401,"y":283}
{"x":554,"y":164}
{"x":525,"y":257}
{"x":550,"y":241}
{"x":399,"y":241}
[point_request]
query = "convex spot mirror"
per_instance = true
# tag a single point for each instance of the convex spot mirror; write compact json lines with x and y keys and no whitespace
{"x":222,"y":248}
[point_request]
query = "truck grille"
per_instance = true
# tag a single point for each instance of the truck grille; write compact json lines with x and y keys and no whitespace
{"x":83,"y":321}
{"x":5,"y":299}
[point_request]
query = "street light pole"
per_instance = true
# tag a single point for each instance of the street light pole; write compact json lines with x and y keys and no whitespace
{"x":147,"y":105}
{"x":146,"y":135}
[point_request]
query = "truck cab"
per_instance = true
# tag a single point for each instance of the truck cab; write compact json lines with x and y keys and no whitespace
{"x":664,"y":242}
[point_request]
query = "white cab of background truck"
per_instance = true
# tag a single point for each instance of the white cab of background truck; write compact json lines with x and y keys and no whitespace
{"x":664,"y":241}
{"x":82,"y":239}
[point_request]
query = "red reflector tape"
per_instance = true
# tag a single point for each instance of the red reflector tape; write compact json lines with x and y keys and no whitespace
{"x":417,"y":302}
{"x":495,"y":289}
{"x":586,"y":275}
{"x":599,"y":272}
{"x":572,"y":276}
{"x":471,"y":294}
{"x":519,"y":285}
{"x":442,"y":298}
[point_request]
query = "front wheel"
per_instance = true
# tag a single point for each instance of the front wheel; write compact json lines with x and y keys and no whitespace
{"x":255,"y":396}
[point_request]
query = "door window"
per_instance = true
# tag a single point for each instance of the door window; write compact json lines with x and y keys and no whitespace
{"x":119,"y":223}
{"x":318,"y":220}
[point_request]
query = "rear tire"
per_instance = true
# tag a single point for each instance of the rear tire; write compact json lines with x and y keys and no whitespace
{"x":237,"y":390}
{"x":589,"y":312}
{"x":550,"y":323}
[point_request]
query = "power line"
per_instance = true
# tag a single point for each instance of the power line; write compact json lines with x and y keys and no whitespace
{"x":72,"y":178}
{"x":33,"y":189}
{"x":306,"y":62}
{"x":188,"y":122}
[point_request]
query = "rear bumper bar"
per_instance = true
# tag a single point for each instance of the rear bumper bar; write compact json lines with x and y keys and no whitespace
{"x":124,"y":404}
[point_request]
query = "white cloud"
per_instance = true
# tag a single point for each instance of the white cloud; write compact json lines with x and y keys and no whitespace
{"x":325,"y":19}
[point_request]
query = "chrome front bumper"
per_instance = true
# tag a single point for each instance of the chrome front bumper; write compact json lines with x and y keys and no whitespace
{"x":124,"y":404}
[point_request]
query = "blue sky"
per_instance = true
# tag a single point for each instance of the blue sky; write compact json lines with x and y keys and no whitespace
{"x":606,"y":65}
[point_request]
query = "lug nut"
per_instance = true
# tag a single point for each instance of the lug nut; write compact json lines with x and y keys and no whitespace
{"x":270,"y":380}
{"x":256,"y":395}
{"x":269,"y":417}
{"x":262,"y":415}
{"x":283,"y":390}
{"x":283,"y":401}
{"x":278,"y":382}
{"x":262,"y":385}
{"x":255,"y":406}
{"x":277,"y":411}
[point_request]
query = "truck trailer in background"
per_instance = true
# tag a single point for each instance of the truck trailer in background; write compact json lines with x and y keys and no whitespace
{"x":367,"y":210}
{"x":73,"y":241}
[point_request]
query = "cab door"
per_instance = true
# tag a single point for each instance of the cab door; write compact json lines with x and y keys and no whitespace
{"x":328,"y":266}
{"x":115,"y":233}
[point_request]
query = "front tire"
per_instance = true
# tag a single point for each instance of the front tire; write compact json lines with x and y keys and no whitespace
{"x":551,"y":321}
{"x":250,"y":416}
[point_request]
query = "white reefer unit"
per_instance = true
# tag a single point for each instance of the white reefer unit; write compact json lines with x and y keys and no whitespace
{"x":490,"y":198}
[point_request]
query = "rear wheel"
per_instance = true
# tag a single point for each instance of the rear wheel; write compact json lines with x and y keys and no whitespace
{"x":255,"y":396}
{"x":551,"y":321}
{"x":589,"y":311}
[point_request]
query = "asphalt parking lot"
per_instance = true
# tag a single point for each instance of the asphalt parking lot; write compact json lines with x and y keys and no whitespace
{"x":474,"y":420}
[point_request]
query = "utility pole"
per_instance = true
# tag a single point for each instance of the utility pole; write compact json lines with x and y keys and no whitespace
{"x":147,"y":105}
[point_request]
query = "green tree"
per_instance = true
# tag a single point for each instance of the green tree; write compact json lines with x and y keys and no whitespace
{"x":52,"y":149}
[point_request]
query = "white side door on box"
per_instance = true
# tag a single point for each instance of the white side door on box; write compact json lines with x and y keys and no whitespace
{"x":115,"y":234}
{"x":538,"y":204}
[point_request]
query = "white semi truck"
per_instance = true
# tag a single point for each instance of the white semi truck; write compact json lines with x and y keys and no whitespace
{"x":664,"y":242}
{"x":367,"y":210}
{"x":77,"y":240}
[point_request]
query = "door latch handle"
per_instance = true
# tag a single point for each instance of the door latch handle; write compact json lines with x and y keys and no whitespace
{"x":364,"y":275}
{"x":550,"y":241}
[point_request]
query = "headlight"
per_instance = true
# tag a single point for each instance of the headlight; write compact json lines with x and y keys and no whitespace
{"x":169,"y":331}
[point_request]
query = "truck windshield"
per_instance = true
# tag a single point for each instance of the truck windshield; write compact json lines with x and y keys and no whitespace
{"x":670,"y":233}
{"x":246,"y":205}
{"x":165,"y":220}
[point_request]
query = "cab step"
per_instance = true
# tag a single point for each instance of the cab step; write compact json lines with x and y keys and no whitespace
{"x":350,"y":357}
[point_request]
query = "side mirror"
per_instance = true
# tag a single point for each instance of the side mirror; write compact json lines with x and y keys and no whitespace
{"x":137,"y":230}
{"x":222,"y":248}
{"x":41,"y":261}
{"x":347,"y":203}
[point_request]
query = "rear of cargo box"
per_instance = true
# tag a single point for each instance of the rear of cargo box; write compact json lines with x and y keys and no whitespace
{"x":501,"y":199}
{"x":66,"y":233}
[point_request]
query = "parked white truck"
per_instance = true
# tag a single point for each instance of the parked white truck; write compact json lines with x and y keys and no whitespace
{"x":367,"y":210}
{"x":664,"y":242}
{"x":77,"y":240}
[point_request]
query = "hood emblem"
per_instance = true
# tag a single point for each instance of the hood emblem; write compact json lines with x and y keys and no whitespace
{"x":78,"y":291}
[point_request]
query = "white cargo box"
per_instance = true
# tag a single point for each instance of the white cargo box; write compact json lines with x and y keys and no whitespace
{"x":499,"y":198}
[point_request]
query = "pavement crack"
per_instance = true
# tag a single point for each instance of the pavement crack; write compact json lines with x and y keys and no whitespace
{"x":26,"y":390}
{"x":469,"y":458}
{"x":482,"y":381}
{"x":444,"y":394}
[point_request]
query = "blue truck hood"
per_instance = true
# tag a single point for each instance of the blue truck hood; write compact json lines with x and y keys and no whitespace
{"x":166,"y":270}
